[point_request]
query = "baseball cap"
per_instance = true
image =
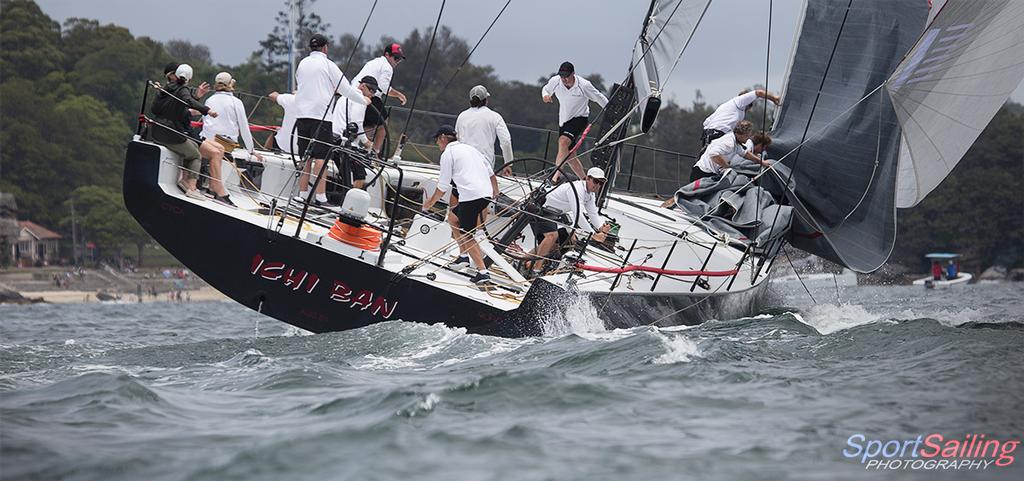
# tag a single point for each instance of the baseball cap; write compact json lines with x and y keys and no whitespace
{"x":479,"y":92}
{"x":184,"y":71}
{"x":566,"y":69}
{"x":395,"y":50}
{"x":444,"y":130}
{"x":223,"y":78}
{"x":596,"y":173}
{"x":317,"y":41}
{"x":371,"y":82}
{"x":170,"y":68}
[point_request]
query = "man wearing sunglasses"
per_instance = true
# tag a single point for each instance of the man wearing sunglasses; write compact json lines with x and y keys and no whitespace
{"x":564,"y":199}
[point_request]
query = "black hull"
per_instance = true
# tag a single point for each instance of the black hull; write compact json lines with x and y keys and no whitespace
{"x":306,"y":286}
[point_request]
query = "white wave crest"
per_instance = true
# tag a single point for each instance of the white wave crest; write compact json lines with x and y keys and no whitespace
{"x":678,"y":349}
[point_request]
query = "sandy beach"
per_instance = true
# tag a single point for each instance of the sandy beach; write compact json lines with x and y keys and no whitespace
{"x":70,"y":296}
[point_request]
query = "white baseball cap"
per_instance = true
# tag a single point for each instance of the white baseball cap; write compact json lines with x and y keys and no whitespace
{"x":223,"y":78}
{"x":596,"y":173}
{"x":479,"y":92}
{"x":184,"y":71}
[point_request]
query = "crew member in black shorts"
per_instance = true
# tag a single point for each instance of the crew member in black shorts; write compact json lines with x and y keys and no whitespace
{"x":574,"y":95}
{"x":466,"y":168}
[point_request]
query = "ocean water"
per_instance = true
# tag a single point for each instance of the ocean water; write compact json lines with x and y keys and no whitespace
{"x":213,"y":391}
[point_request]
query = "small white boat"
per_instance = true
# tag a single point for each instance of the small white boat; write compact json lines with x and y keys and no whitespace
{"x":941,"y":277}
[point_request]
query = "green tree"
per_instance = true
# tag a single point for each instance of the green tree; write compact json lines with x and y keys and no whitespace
{"x":105,"y":221}
{"x":274,"y":49}
{"x":28,"y":41}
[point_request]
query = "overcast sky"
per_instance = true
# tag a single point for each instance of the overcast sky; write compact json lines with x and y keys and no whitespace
{"x":530,"y":40}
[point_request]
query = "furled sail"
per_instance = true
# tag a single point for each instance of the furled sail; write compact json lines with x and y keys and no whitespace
{"x":961,"y":71}
{"x":839,"y":129}
{"x":667,"y":30}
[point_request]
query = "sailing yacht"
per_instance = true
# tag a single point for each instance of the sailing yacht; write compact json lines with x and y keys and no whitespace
{"x":881,"y":100}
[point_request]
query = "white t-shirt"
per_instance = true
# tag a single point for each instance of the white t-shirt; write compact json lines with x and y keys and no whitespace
{"x":479,"y":126}
{"x":562,"y":200}
{"x":573,"y":102}
{"x":316,"y":78}
{"x":283,"y":136}
{"x":725,"y":146}
{"x":727,"y":115}
{"x":230,"y":121}
{"x":467,"y":168}
{"x":380,"y":69}
{"x":346,"y":111}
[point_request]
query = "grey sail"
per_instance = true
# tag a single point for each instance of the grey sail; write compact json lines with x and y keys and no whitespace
{"x":837,"y":129}
{"x":951,"y":84}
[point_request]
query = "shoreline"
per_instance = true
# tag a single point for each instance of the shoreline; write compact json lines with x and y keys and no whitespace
{"x":89,"y":297}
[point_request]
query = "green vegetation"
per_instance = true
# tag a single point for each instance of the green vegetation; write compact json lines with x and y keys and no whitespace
{"x":71,"y":95}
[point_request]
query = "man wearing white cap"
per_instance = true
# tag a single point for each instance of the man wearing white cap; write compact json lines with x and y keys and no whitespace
{"x":479,"y":126}
{"x":170,"y":109}
{"x":231,"y":123}
{"x":565,"y":199}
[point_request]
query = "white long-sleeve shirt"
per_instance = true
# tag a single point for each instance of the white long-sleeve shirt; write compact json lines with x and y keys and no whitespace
{"x":316,"y":79}
{"x":466,"y":166}
{"x":283,"y":137}
{"x":575,"y":101}
{"x":348,"y":111}
{"x":230,"y":121}
{"x":727,"y":115}
{"x":380,"y":69}
{"x":727,"y":147}
{"x":564,"y":200}
{"x":479,"y":127}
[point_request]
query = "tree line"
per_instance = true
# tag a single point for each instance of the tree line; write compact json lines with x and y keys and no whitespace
{"x":70,"y":96}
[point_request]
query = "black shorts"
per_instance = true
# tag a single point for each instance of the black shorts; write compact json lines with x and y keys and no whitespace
{"x":375,"y":114}
{"x":469,"y":212}
{"x":698,"y":173}
{"x":573,"y":127}
{"x":543,"y":226}
{"x":305,"y":130}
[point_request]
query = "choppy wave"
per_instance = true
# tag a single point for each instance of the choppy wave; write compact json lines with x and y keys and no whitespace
{"x":769,"y":396}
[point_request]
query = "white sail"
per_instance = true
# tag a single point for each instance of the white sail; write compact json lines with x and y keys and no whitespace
{"x":667,"y":30}
{"x":950,"y":85}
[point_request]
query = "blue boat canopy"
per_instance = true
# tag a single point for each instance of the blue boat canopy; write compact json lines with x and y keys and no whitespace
{"x":942,"y":256}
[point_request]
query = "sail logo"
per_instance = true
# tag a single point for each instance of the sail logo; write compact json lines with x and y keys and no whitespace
{"x":931,"y":55}
{"x":304,"y":281}
{"x":932,"y":452}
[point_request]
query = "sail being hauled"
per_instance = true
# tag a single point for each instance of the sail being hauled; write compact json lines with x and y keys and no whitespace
{"x":950,"y":85}
{"x":838,"y":131}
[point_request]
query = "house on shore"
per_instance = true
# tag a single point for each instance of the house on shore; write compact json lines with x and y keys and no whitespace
{"x":36,"y":245}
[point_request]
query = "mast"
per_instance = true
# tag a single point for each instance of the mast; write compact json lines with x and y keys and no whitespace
{"x":291,"y":46}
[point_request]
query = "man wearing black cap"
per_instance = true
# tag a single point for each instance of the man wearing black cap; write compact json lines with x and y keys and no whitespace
{"x":466,"y":167}
{"x":348,"y":125}
{"x":574,"y":94}
{"x":317,"y":80}
{"x":383,"y":69}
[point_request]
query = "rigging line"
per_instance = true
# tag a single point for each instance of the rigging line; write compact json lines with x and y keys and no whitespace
{"x":426,"y":61}
{"x":463,"y":64}
{"x":764,"y":114}
{"x":355,"y":48}
{"x":790,"y":259}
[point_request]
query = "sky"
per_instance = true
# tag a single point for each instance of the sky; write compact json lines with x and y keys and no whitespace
{"x":529,"y":41}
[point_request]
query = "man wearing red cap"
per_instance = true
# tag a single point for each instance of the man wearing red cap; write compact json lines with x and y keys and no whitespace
{"x":381,"y":68}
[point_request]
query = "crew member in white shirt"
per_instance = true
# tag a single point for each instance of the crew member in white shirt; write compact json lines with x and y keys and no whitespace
{"x":282,"y":139}
{"x":479,"y":126}
{"x":730,"y":113}
{"x":464,"y":166}
{"x":566,"y":199}
{"x":317,"y":80}
{"x":231,"y":123}
{"x":574,"y":95}
{"x":348,"y":125}
{"x":725,"y":150}
{"x":383,"y":69}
